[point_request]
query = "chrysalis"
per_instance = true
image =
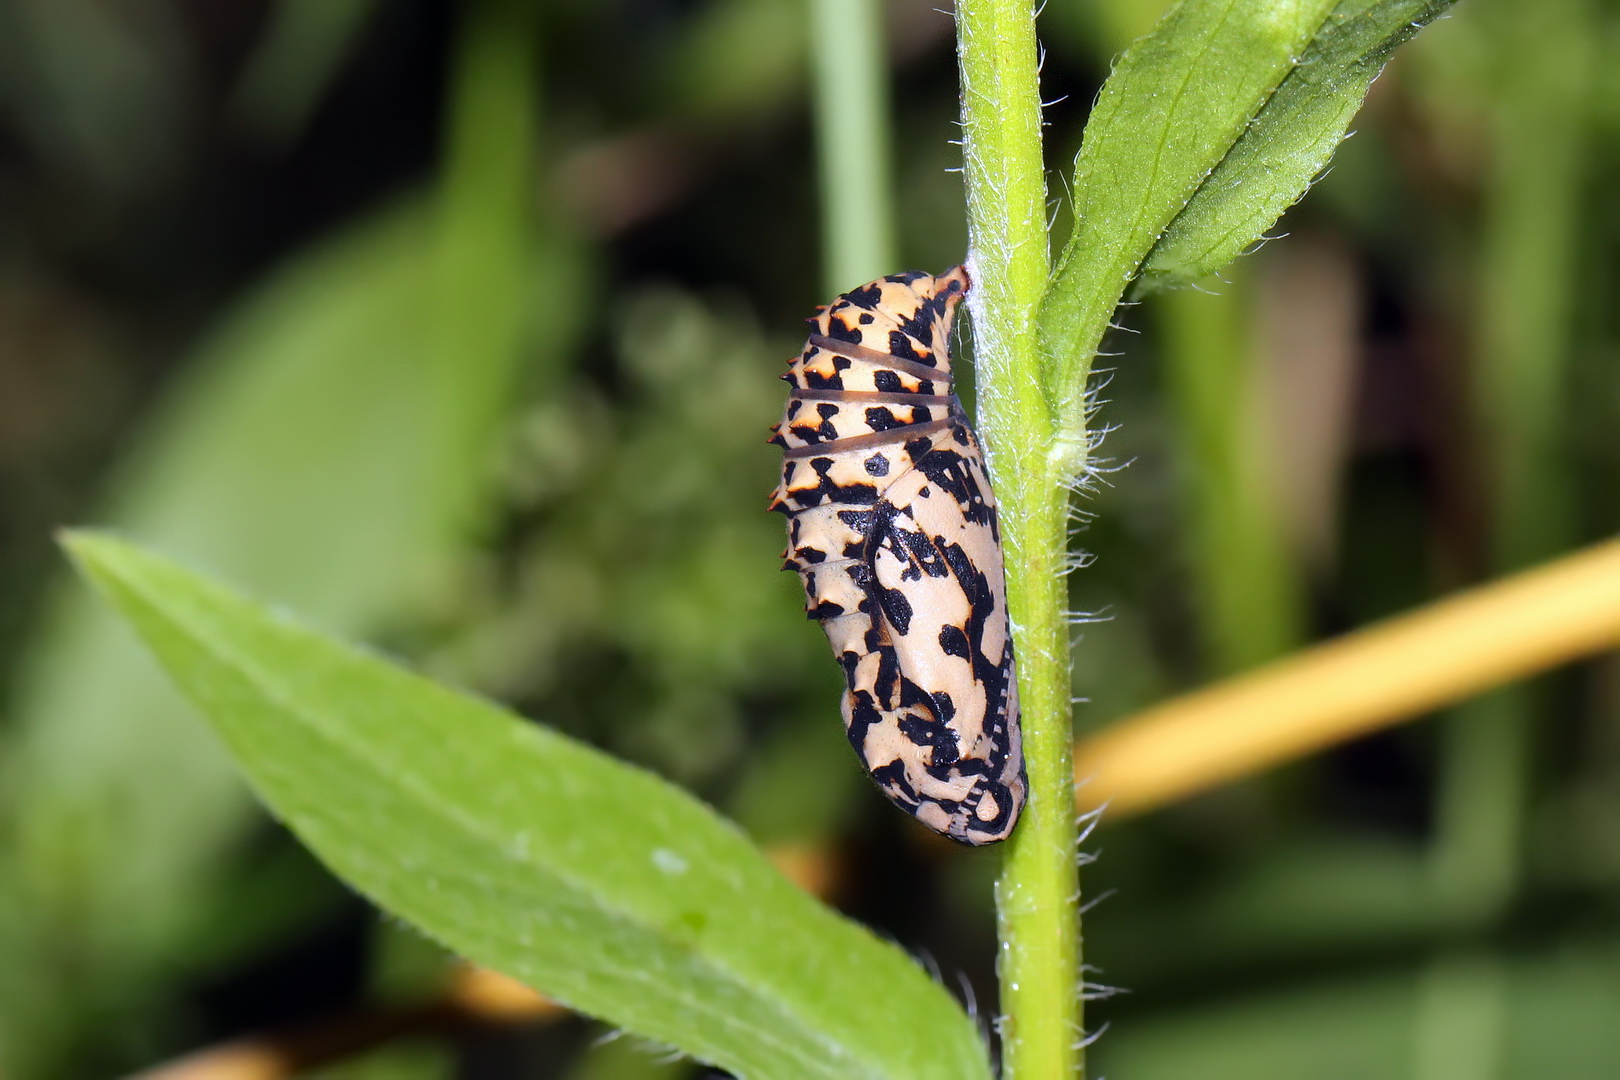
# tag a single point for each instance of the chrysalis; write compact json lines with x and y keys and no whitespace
{"x":892,"y":525}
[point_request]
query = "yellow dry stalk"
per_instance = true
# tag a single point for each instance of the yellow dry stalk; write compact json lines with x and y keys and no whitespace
{"x":1371,"y":679}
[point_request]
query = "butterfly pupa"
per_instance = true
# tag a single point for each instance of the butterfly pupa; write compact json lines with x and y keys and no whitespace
{"x":892,"y":526}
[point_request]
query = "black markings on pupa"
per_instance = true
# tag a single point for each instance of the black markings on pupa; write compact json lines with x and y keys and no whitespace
{"x":892,"y":525}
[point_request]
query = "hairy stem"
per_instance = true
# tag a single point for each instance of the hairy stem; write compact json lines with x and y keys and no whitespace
{"x":1037,"y":895}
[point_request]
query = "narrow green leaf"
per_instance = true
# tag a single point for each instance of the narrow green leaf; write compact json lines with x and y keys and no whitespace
{"x":1223,"y":114}
{"x":294,"y":62}
{"x":1289,"y":141}
{"x":589,"y":879}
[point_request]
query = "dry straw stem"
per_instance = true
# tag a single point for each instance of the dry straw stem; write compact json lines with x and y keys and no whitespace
{"x":1371,"y":679}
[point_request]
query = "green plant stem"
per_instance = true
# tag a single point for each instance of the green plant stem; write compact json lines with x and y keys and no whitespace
{"x":487,"y":220}
{"x":1529,"y":270}
{"x":1037,"y":896}
{"x":1243,"y":577}
{"x":853,"y":142}
{"x":1533,"y":217}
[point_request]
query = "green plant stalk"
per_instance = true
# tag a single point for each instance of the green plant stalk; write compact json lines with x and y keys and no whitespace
{"x":1037,"y":895}
{"x":1243,"y":577}
{"x":853,"y":142}
{"x":1528,"y":276}
{"x":486,"y":206}
{"x":1524,"y":350}
{"x":1534,"y":217}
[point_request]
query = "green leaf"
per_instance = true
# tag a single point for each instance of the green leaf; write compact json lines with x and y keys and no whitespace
{"x":1221,"y":115}
{"x":526,"y":851}
{"x":1289,"y":141}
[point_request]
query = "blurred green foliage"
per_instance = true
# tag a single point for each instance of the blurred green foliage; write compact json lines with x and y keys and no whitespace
{"x":486,"y":378}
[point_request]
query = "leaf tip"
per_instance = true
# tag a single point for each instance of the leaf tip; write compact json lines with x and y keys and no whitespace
{"x":81,"y":545}
{"x":95,"y":554}
{"x":86,"y":538}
